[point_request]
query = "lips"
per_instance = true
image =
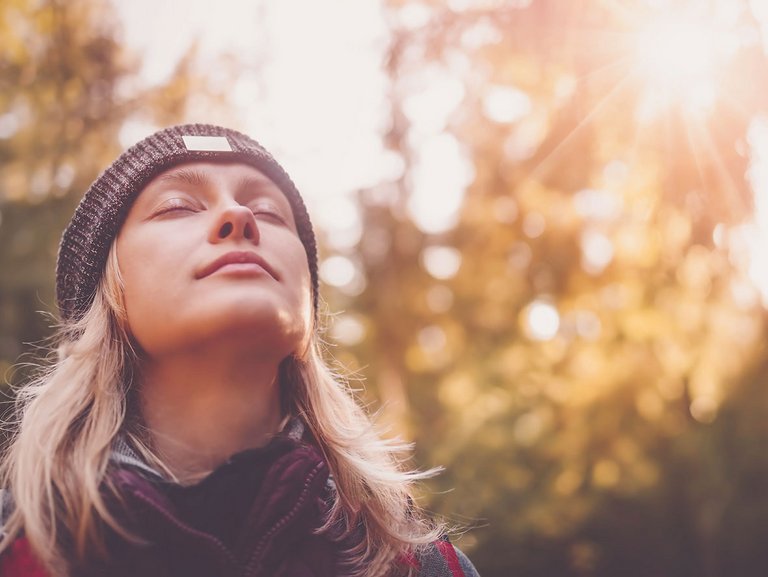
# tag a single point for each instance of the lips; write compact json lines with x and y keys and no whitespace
{"x":236,"y":257}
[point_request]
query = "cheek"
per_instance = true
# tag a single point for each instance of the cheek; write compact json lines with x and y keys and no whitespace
{"x":299,"y":284}
{"x":302,"y":282}
{"x":301,"y":325}
{"x":140,"y":272}
{"x":136,"y":314}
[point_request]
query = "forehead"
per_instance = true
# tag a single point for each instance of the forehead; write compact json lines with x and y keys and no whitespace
{"x":207,"y":173}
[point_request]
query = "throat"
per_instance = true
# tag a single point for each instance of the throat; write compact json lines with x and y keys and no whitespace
{"x":197,"y":419}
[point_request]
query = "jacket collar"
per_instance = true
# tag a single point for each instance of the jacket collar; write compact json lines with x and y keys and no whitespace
{"x":123,"y":455}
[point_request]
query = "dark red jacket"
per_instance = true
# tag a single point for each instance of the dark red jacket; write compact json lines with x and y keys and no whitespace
{"x":206,"y":531}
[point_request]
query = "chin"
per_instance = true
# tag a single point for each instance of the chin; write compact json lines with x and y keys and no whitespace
{"x":260,"y":319}
{"x":255,"y":327}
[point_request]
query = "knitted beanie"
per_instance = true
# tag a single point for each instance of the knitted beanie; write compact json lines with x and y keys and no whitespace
{"x":87,"y":239}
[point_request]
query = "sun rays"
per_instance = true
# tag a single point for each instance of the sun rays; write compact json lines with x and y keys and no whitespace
{"x":666,"y":71}
{"x":678,"y":58}
{"x":678,"y":77}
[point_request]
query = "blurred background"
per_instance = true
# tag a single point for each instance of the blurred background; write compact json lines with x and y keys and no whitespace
{"x":544,"y":227}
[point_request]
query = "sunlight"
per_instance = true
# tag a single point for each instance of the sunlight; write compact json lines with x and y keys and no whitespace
{"x":541,"y":320}
{"x":758,"y":177}
{"x":506,"y":104}
{"x":348,"y":329}
{"x":680,"y":56}
{"x":676,"y":51}
{"x":442,"y":262}
{"x":312,"y":88}
{"x":440,"y":177}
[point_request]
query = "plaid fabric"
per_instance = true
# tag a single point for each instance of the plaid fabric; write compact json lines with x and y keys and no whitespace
{"x":442,"y":559}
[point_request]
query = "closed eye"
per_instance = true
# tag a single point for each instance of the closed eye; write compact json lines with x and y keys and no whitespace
{"x":269,"y":211}
{"x":174,"y":205}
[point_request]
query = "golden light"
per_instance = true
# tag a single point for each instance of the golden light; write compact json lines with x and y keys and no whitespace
{"x":678,"y":57}
{"x":756,"y":236}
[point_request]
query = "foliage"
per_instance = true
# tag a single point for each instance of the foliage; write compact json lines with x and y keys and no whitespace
{"x":67,"y":87}
{"x":579,"y":371}
{"x":578,"y":342}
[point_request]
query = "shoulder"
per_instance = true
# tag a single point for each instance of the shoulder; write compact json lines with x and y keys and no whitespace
{"x":19,"y":560}
{"x":443,"y":559}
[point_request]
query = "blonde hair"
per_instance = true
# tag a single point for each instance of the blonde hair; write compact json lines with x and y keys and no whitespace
{"x":72,"y":412}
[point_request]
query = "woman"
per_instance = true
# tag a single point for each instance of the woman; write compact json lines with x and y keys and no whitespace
{"x":189,"y":425}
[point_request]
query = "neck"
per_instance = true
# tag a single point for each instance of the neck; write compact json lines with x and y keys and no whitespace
{"x":203,"y":407}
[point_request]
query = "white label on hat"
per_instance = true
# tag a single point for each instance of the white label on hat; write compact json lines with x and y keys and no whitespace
{"x":206,"y":143}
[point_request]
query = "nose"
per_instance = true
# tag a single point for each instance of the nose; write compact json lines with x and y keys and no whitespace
{"x":235,"y":222}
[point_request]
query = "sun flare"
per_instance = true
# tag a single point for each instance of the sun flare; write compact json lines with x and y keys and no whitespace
{"x":674,"y":50}
{"x":679,"y":58}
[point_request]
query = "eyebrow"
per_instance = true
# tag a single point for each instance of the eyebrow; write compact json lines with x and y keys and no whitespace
{"x":186,"y":176}
{"x":251,"y":182}
{"x":192,"y":177}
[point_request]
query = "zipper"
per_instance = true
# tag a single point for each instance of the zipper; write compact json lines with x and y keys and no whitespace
{"x":259,"y":551}
{"x":213,"y":543}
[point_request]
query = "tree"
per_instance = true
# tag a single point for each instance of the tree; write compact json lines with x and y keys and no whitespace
{"x":570,"y":339}
{"x":67,"y":86}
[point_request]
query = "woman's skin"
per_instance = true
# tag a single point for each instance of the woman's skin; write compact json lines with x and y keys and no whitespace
{"x":211,"y":333}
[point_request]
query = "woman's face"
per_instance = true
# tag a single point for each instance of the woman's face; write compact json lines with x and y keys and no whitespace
{"x":208,"y":254}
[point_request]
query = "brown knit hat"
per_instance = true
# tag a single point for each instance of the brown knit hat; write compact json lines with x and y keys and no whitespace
{"x":87,"y":239}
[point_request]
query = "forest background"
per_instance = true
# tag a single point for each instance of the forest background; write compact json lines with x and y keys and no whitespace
{"x":554,"y":282}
